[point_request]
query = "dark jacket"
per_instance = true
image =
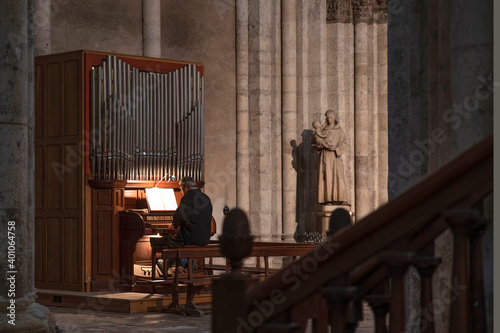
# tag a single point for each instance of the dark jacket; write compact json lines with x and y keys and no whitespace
{"x":193,"y":217}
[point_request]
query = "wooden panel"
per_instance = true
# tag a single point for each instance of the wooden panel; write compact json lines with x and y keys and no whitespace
{"x":72,"y":255}
{"x":119,"y":201}
{"x":54,"y":177}
{"x":53,"y":99}
{"x":103,"y":199}
{"x":71,"y":86}
{"x":72,"y":174}
{"x":130,"y":199}
{"x":39,"y":178}
{"x":54,"y":250}
{"x":103,"y":256}
{"x":39,"y":101}
{"x":40,"y":254}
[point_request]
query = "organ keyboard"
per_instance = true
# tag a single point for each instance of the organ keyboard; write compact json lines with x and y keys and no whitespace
{"x":137,"y":226}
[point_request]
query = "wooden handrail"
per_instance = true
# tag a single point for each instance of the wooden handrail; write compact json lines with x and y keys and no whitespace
{"x":415,"y":215}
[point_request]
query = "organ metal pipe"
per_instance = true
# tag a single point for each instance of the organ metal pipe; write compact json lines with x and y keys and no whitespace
{"x":146,"y":125}
{"x":104,"y":143}
{"x":175,"y":122}
{"x":203,"y":127}
{"x":96,"y":133}
{"x":92,"y":116}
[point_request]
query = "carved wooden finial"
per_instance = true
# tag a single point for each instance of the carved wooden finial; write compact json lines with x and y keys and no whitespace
{"x":236,"y":241}
{"x":339,"y":219}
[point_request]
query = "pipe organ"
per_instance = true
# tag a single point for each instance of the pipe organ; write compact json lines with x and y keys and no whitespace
{"x":146,"y":125}
{"x":107,"y":127}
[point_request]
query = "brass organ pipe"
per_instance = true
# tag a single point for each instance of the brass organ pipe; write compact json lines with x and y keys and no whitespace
{"x":175,"y":122}
{"x":152,"y":127}
{"x":186,"y":121}
{"x":146,"y":124}
{"x":119,"y":117}
{"x":92,"y":116}
{"x":104,"y":142}
{"x":203,"y":128}
{"x":165,"y":124}
{"x":97,"y":130}
{"x":168,"y":110}
{"x":141,"y":126}
{"x":133,"y":124}
{"x":198,"y":129}
{"x":149,"y":129}
{"x":181,"y":125}
{"x":123,"y":121}
{"x":171,"y":136}
{"x":191,"y":121}
{"x":137,"y":105}
{"x":111,"y":118}
{"x":158,"y":125}
{"x":161,"y":125}
{"x":197,"y":121}
{"x":129,"y":132}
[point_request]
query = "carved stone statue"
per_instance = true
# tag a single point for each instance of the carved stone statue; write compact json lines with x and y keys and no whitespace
{"x":330,"y":142}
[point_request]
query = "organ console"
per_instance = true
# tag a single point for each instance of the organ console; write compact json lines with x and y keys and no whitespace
{"x":137,"y":226}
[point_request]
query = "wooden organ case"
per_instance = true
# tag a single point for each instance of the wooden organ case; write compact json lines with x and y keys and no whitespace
{"x":106,"y":128}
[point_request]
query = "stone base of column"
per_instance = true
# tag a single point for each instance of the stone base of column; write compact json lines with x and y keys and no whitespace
{"x":36,"y":318}
{"x":323,"y":214}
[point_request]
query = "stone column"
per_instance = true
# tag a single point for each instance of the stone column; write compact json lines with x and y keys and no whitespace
{"x":289,"y":116}
{"x":17,"y":292}
{"x":260,"y":113}
{"x":242,"y":116}
{"x":41,"y":21}
{"x":363,"y":119}
{"x":340,"y":80}
{"x":151,"y":28}
{"x":381,"y":101}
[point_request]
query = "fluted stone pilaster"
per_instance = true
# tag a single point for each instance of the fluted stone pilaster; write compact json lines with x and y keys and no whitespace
{"x":242,"y":105}
{"x":289,"y":116}
{"x":264,"y":121}
{"x":151,"y":28}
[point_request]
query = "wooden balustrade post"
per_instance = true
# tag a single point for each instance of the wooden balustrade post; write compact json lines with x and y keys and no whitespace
{"x":477,"y":278}
{"x":397,"y":264}
{"x":426,"y":267}
{"x":461,"y":223}
{"x":338,"y":299}
{"x":380,"y":307}
{"x":230,"y":303}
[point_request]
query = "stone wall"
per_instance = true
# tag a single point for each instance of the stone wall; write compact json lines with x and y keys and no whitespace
{"x":440,"y":103}
{"x":271,"y":68}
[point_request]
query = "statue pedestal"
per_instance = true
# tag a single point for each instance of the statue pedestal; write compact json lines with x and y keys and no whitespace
{"x":323,"y":213}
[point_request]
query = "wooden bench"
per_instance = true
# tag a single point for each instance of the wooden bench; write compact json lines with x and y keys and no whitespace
{"x":197,"y":282}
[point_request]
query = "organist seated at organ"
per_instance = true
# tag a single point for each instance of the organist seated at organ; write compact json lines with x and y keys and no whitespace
{"x":192,"y":218}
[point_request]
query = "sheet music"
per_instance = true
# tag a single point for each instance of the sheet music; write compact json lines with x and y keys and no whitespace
{"x":161,"y":199}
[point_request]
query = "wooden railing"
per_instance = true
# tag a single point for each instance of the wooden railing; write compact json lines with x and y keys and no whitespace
{"x":369,"y":259}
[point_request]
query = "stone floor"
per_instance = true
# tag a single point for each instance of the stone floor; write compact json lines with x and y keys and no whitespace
{"x":75,"y":321}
